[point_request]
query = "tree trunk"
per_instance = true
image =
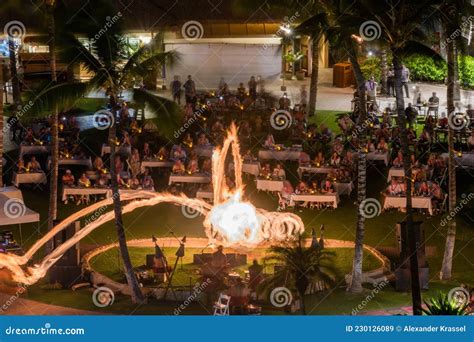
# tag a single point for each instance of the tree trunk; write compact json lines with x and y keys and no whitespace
{"x":447,"y":264}
{"x":53,"y":177}
{"x":313,"y":87}
{"x":14,"y":74}
{"x":402,"y":124}
{"x":356,"y":281}
{"x":137,"y":295}
{"x":384,"y":68}
{"x":1,"y":124}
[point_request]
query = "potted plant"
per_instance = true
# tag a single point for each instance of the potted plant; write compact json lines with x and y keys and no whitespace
{"x":292,"y":58}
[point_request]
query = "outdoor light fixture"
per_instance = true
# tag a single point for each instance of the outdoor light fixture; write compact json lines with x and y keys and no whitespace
{"x":287,"y":29}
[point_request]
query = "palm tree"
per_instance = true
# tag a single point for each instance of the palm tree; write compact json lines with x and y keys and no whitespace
{"x":1,"y":123}
{"x":443,"y":305}
{"x":457,"y":10}
{"x":53,"y":179}
{"x":298,"y":267}
{"x":106,"y":60}
{"x":315,"y":27}
{"x":400,"y":29}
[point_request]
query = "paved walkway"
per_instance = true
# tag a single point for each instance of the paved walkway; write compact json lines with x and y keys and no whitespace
{"x":21,"y":306}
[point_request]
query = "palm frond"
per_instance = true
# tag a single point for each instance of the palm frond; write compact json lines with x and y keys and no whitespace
{"x":167,"y":114}
{"x":61,"y":96}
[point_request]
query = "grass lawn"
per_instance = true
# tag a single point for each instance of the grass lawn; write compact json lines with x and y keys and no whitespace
{"x":339,"y":224}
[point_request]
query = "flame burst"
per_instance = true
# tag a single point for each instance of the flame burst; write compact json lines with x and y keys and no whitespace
{"x":230,"y":221}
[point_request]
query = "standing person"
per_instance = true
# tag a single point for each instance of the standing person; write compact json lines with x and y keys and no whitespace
{"x":176,"y":90}
{"x":405,"y":79}
{"x":371,"y":89}
{"x":253,"y":87}
{"x":189,"y":90}
{"x":391,"y":82}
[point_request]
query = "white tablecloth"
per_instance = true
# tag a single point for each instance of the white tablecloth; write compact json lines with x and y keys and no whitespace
{"x":344,"y":188}
{"x":197,"y":178}
{"x":33,"y":149}
{"x":204,"y":151}
{"x":378,"y":156}
{"x":156,"y":163}
{"x":70,"y":161}
{"x":11,"y":192}
{"x":252,"y":168}
{"x":68,"y":191}
{"x":269,"y":185}
{"x":466,"y":160}
{"x":395,"y":172}
{"x":205,"y":194}
{"x":28,"y":178}
{"x":313,"y":169}
{"x":401,"y":203}
{"x":332,"y":198}
{"x":124,"y":150}
{"x":279,"y":155}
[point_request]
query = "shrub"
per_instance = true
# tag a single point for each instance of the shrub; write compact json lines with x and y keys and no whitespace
{"x":466,"y":71}
{"x":424,"y":68}
{"x":371,"y":67}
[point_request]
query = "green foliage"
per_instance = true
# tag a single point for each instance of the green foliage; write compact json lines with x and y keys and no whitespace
{"x":371,"y":67}
{"x":466,"y":71}
{"x":425,"y":68}
{"x":291,"y":57}
{"x":443,"y":305}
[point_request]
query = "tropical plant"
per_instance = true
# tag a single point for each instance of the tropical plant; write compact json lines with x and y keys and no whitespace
{"x":106,"y":61}
{"x":400,"y":27}
{"x":443,"y":305}
{"x":457,"y":10}
{"x":299,"y":265}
